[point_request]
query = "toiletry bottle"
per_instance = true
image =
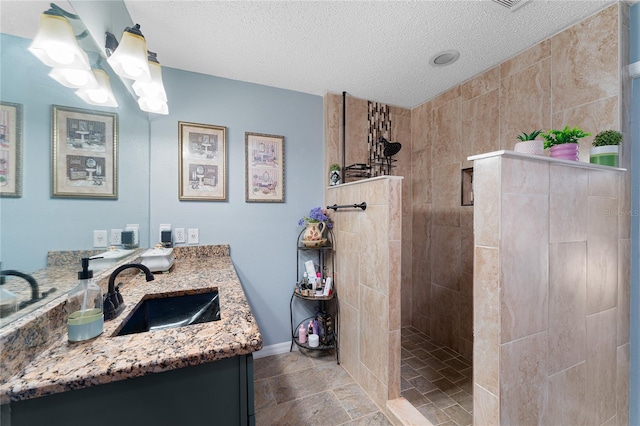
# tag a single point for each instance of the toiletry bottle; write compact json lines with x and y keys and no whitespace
{"x":310,"y":328}
{"x":302,"y":334}
{"x":86,"y":319}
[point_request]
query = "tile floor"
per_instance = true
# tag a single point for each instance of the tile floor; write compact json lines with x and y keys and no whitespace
{"x":436,"y":380}
{"x":296,"y":389}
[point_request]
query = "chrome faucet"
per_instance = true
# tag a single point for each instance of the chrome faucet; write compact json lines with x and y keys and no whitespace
{"x":113,"y":303}
{"x":32,"y":282}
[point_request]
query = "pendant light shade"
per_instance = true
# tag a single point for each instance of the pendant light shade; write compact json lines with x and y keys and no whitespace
{"x":55,"y":44}
{"x":154,"y":88}
{"x":102,"y":94}
{"x":153,"y":105}
{"x":130,"y":58}
{"x":75,"y":79}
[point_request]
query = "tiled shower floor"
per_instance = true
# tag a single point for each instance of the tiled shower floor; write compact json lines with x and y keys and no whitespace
{"x":436,"y":380}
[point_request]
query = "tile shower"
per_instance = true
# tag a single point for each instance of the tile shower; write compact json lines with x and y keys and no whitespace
{"x":566,"y":79}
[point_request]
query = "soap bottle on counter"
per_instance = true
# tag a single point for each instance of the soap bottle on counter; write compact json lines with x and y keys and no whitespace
{"x":86,"y":319}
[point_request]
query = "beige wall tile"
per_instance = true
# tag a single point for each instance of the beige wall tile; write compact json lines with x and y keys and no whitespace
{"x":349,"y":219}
{"x":604,"y":183}
{"x":524,"y":265}
{"x":487,"y":190}
{"x":591,"y":117}
{"x":525,"y":102}
{"x":393,"y":367}
{"x":585,"y":61}
{"x":486,"y":346}
{"x":567,"y":403}
{"x":523,"y":361}
{"x":376,"y":389}
{"x":396,"y":218}
{"x":622,"y":385}
{"x":525,"y":177}
{"x":349,"y":338}
{"x":447,"y":133}
{"x":374,"y":259}
{"x":568,"y":204}
{"x":446,"y":315}
{"x":446,"y":97}
{"x":446,"y":194}
{"x":374,"y":345}
{"x":486,"y":407}
{"x":395,"y":282}
{"x":445,"y":265}
{"x":601,"y":366}
{"x":524,"y":60}
{"x":376,"y":192}
{"x":602,"y":254}
{"x":333,"y":137}
{"x":480,"y":84}
{"x":567,"y":305}
{"x":624,"y":291}
{"x":357,"y":130}
{"x":480,"y":119}
{"x":348,"y":267}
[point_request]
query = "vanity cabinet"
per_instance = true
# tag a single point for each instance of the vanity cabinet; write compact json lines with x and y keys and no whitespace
{"x":214,"y":393}
{"x":324,"y":306}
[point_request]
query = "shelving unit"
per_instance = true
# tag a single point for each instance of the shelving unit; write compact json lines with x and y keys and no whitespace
{"x":323,"y":304}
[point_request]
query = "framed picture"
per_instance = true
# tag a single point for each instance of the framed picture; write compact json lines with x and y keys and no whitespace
{"x":84,"y":153}
{"x":10,"y":150}
{"x":264,"y":168}
{"x":202,"y":165}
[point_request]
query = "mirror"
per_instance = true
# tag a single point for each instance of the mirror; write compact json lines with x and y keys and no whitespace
{"x":37,"y":222}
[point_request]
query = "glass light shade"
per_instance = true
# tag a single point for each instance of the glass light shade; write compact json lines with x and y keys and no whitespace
{"x":155,"y":105}
{"x":102,"y":95}
{"x":130,"y":58}
{"x":75,"y":79}
{"x":56,"y":46}
{"x":153,"y":88}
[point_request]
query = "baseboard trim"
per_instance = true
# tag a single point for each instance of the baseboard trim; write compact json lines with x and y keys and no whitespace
{"x":277,"y":349}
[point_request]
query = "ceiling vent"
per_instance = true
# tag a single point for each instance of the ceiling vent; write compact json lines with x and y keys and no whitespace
{"x":512,"y":5}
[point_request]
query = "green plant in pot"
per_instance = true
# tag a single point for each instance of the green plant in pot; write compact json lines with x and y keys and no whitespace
{"x":334,"y":174}
{"x":605,"y":149}
{"x":528,"y":143}
{"x":563,"y":144}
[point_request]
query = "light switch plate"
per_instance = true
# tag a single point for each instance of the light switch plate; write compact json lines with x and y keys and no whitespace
{"x":192,"y":236}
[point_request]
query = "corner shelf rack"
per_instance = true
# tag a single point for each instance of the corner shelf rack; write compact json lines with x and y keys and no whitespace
{"x":323,"y":254}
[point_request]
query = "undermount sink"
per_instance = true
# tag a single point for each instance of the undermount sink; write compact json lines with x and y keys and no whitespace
{"x":173,"y":311}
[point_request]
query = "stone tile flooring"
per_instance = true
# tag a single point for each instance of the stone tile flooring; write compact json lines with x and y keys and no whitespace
{"x":436,"y":380}
{"x":296,"y":389}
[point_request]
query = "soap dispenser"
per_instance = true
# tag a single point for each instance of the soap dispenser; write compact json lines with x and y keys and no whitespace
{"x":84,"y":302}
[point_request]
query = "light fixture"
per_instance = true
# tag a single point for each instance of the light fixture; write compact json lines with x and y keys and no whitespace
{"x":153,"y":97}
{"x":102,"y":94}
{"x":55,"y":44}
{"x":444,"y":58}
{"x":130,"y":57}
{"x":75,"y":79}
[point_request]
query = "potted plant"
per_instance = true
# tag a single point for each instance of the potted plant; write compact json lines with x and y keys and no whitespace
{"x":564,"y":143}
{"x":334,"y":174}
{"x":606,"y":148}
{"x":528,"y":143}
{"x":316,"y":223}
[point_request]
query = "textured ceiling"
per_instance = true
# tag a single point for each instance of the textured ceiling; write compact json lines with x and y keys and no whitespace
{"x":377,"y":50}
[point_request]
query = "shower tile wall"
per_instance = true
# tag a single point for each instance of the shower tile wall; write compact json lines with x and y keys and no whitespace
{"x":573,"y":78}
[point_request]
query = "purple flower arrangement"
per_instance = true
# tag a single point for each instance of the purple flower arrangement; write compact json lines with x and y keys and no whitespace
{"x":316,"y":215}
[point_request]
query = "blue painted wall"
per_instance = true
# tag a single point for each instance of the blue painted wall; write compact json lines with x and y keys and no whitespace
{"x":262,"y":236}
{"x":36,"y":223}
{"x":634,"y":395}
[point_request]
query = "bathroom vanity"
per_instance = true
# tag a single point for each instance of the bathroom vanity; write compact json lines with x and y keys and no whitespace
{"x":196,"y":374}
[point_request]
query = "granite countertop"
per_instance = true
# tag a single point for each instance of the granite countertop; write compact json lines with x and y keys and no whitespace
{"x":66,"y":366}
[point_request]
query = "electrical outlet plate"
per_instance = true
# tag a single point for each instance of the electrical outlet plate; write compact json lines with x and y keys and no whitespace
{"x":193,"y":236}
{"x":179,"y":235}
{"x":100,"y":238}
{"x":115,"y":237}
{"x":163,"y":227}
